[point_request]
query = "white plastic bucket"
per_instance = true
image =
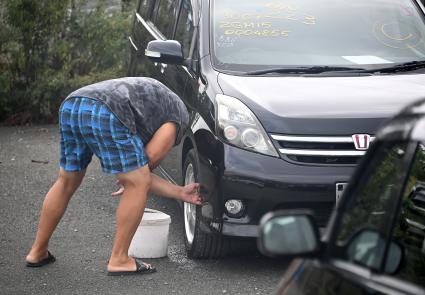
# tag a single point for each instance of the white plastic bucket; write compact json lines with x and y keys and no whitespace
{"x":151,"y":237}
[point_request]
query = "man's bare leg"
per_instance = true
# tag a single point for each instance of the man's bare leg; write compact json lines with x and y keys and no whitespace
{"x":54,"y":206}
{"x":128,"y":216}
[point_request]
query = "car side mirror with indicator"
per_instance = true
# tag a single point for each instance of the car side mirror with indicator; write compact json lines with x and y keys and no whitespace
{"x":166,"y":52}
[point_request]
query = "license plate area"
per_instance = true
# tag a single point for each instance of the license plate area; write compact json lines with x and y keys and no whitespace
{"x":339,"y":189}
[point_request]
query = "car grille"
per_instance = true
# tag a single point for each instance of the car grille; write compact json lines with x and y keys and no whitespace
{"x":324,"y":150}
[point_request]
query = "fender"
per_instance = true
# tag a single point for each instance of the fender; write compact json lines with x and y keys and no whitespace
{"x":210,"y":154}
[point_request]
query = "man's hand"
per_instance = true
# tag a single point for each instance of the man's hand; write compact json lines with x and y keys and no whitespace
{"x":119,"y":191}
{"x":191,"y":194}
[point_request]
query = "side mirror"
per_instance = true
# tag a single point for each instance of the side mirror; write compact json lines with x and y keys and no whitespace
{"x":367,"y":246}
{"x":288,"y":233}
{"x":166,"y":52}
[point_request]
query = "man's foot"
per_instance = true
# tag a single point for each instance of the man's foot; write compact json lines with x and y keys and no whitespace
{"x":37,"y":255}
{"x":140,"y":268}
{"x":130,"y":266}
{"x":37,"y":260}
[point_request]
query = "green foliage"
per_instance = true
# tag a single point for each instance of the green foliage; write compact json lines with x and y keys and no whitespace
{"x":49,"y":48}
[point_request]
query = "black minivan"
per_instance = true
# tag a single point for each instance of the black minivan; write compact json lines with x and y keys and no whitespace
{"x":284,"y":99}
{"x":375,"y":241}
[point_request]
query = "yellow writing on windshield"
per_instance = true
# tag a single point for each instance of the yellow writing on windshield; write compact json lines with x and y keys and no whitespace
{"x":242,"y":16}
{"x":271,"y":19}
{"x":260,"y":33}
{"x":244,"y":25}
{"x":399,"y":35}
{"x":305,"y":18}
{"x":309,"y":20}
{"x":280,"y":6}
{"x":393,"y":36}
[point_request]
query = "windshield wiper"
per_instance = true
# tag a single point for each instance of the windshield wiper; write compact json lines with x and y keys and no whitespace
{"x":407,"y":66}
{"x":304,"y":70}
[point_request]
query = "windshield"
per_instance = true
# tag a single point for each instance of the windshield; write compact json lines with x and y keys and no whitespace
{"x":251,"y":35}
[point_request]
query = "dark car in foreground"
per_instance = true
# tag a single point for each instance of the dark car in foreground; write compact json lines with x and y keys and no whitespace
{"x":375,"y":241}
{"x":284,"y":99}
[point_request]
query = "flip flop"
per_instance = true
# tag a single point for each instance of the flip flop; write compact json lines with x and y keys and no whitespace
{"x":141,"y":268}
{"x":49,"y":259}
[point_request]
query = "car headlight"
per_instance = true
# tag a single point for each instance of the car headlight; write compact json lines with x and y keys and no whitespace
{"x":237,"y":125}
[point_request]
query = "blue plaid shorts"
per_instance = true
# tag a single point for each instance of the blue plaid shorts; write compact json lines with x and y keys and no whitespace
{"x":88,"y":127}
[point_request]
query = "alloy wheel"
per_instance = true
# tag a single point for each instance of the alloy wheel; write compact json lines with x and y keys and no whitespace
{"x":189,"y":209}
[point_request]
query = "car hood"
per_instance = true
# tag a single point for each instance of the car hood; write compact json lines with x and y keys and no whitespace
{"x":324,"y":105}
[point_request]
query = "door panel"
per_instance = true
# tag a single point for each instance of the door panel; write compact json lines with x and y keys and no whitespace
{"x":315,"y":278}
{"x":362,"y":259}
{"x":174,"y":76}
{"x":170,"y":166}
{"x":177,"y":78}
{"x":410,"y":225}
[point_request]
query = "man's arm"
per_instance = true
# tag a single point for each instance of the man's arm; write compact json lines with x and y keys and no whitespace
{"x":161,"y":143}
{"x":160,"y":187}
{"x":163,"y":188}
{"x":157,"y":148}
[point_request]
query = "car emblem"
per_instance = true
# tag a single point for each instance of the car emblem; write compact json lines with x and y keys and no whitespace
{"x":361,"y":141}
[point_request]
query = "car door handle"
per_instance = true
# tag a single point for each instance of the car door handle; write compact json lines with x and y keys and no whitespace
{"x":132,"y":43}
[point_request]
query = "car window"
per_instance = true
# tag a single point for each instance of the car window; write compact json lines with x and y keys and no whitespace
{"x":145,"y":8}
{"x":165,"y":16}
{"x":366,"y":223}
{"x":256,"y":34}
{"x":410,"y":226}
{"x":184,"y":30}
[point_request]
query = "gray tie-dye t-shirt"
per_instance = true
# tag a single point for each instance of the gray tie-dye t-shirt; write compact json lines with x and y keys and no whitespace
{"x":141,"y":104}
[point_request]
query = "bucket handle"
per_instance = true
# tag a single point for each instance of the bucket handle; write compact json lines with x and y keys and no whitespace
{"x":150,"y":211}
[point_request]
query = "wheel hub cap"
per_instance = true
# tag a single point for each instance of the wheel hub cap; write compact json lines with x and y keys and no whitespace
{"x":189,"y":209}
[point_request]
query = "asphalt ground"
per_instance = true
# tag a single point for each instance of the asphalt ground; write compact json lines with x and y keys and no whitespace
{"x":83,"y":239}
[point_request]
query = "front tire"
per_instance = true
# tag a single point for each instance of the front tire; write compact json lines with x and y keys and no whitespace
{"x":198,"y":243}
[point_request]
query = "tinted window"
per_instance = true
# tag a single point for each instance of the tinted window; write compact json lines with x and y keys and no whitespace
{"x":367,"y":219}
{"x":410,"y":227}
{"x":165,"y":16}
{"x":184,"y":31}
{"x":145,"y":8}
{"x":253,"y":34}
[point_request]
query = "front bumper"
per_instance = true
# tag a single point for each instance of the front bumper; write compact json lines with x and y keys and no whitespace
{"x":266,"y":184}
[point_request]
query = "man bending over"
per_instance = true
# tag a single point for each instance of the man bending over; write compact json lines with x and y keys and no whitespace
{"x":114,"y":120}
